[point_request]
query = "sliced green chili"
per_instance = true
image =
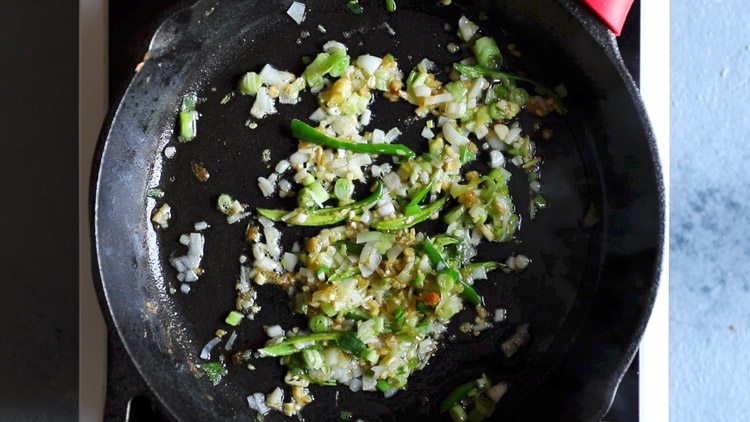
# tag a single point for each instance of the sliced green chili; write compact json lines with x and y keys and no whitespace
{"x":324,"y":216}
{"x":308,"y":133}
{"x":409,"y":221}
{"x":457,"y":395}
{"x":289,"y":346}
{"x":413,"y":208}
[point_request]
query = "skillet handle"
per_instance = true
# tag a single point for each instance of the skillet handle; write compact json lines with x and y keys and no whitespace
{"x":603,"y":34}
{"x":612,"y":12}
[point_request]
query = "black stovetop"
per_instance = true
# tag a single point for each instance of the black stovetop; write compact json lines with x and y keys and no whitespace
{"x":131,"y":22}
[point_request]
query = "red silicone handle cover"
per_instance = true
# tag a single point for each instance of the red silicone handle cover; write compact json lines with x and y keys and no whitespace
{"x":612,"y":12}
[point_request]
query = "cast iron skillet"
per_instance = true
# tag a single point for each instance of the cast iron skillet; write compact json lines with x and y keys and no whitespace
{"x":587,"y":294}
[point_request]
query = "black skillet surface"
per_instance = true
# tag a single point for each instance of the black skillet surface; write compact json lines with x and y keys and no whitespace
{"x":602,"y":154}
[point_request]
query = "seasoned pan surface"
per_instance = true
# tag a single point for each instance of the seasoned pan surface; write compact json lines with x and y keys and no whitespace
{"x":586,"y":295}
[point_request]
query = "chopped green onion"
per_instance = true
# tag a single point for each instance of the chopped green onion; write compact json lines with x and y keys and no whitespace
{"x":457,"y":395}
{"x":458,"y":414}
{"x":250,"y":83}
{"x":320,"y":323}
{"x":476,"y":416}
{"x":458,"y":89}
{"x":345,"y":415}
{"x":484,"y":405}
{"x":467,"y":155}
{"x":333,"y":62}
{"x":214,"y":371}
{"x":188,"y":125}
{"x":343,"y":189}
{"x":234,"y":318}
{"x":539,"y":200}
{"x":419,"y":280}
{"x":383,"y":385}
{"x":354,"y":7}
{"x":349,"y":342}
{"x":226,"y":98}
{"x":487,"y":53}
{"x":313,"y":359}
{"x":390,"y":5}
{"x":445,"y":281}
{"x":358,"y":314}
{"x":477,"y":71}
{"x":399,"y":316}
{"x":305,"y":199}
{"x":343,"y":275}
{"x":319,"y":193}
{"x":155,"y":193}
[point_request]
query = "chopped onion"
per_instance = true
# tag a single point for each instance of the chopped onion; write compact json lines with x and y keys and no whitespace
{"x":318,"y":115}
{"x":500,"y":314}
{"x":162,"y":216}
{"x":512,"y":135}
{"x":452,"y":135}
{"x":355,"y":384}
{"x":263,"y":105}
{"x":201,"y":225}
{"x":438,"y":99}
{"x":392,"y":135}
{"x":275,"y":398}
{"x":297,"y":12}
{"x":422,"y":91}
{"x":169,"y":152}
{"x":269,"y":75}
{"x":497,"y":391}
{"x":369,"y":63}
{"x":185,"y":288}
{"x":479,"y":84}
{"x":230,"y":341}
{"x":206,"y":352}
{"x":330,"y":45}
{"x":427,"y":133}
{"x":368,"y":236}
{"x":366,"y":117}
{"x":266,"y":187}
{"x":274,"y":331}
{"x":289,"y":261}
{"x":257,"y":402}
{"x":390,"y":392}
{"x":516,"y":341}
{"x":496,"y":159}
{"x":466,"y":28}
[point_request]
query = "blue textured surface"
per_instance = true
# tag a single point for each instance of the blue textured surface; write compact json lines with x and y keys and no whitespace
{"x":710,"y":263}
